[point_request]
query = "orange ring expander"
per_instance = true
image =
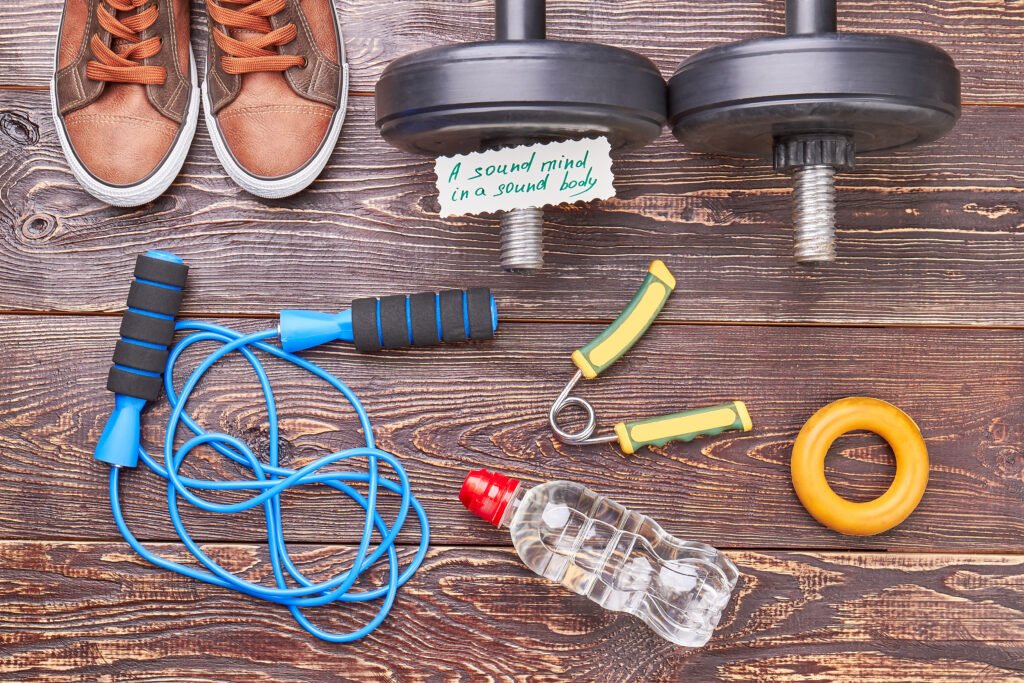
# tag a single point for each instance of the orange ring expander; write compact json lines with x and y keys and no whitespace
{"x":808,"y":466}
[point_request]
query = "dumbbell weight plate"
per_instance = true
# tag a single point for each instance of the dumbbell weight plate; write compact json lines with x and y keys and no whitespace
{"x":884,"y":91}
{"x":464,"y":98}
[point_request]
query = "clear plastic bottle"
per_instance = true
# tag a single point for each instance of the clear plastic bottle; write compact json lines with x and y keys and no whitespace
{"x":622,"y":560}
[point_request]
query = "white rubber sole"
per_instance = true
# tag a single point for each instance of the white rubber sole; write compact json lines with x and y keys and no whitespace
{"x":154,"y":185}
{"x":285,"y":186}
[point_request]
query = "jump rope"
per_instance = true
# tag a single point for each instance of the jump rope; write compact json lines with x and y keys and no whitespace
{"x":144,"y":363}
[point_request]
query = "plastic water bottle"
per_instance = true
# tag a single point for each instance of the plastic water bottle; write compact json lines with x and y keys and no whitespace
{"x":622,"y":560}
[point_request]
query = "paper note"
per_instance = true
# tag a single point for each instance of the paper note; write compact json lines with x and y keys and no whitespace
{"x":527,"y":176}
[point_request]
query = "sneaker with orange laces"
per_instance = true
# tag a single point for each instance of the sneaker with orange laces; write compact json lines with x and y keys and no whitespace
{"x":125,"y":95}
{"x":275,"y":92}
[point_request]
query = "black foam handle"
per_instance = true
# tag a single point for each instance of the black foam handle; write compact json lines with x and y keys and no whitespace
{"x":425,"y":319}
{"x":161,"y":270}
{"x":147,"y":327}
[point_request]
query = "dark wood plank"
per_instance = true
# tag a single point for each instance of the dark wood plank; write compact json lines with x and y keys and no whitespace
{"x":927,"y":237}
{"x":983,"y":37}
{"x":86,"y":612}
{"x":446,"y":411}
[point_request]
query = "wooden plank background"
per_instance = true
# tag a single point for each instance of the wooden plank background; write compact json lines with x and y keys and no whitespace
{"x":923,"y":309}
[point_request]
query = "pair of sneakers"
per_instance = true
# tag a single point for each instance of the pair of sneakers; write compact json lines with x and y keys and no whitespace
{"x":126,"y":96}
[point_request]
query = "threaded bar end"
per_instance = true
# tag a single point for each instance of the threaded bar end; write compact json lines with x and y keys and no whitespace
{"x":522,"y":241}
{"x":814,"y":214}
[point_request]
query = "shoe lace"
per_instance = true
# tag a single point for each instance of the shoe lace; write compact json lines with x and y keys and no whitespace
{"x":121,"y":65}
{"x":253,"y":53}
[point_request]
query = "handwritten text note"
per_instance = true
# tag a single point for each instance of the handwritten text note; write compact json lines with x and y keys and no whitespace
{"x":526,"y":176}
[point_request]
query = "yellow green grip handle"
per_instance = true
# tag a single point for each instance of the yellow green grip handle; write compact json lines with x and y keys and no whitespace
{"x":686,"y":426}
{"x":621,"y":335}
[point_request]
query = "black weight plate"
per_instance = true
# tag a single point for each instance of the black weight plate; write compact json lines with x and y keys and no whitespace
{"x":883,"y":91}
{"x":464,"y":98}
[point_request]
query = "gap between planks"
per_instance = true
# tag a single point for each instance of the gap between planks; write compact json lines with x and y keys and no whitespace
{"x":508,"y":545}
{"x":204,"y":315}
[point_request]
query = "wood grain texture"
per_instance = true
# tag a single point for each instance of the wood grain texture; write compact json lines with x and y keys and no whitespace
{"x":446,"y":411}
{"x":981,"y":35}
{"x":932,"y":236}
{"x":95,"y":612}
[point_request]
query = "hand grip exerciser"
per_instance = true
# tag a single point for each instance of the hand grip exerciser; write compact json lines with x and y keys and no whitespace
{"x":684,"y":426}
{"x":630,"y":326}
{"x":394,"y":322}
{"x":147,"y":329}
{"x":612,"y":344}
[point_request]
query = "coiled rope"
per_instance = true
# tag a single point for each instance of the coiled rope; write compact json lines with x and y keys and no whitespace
{"x":269,"y":481}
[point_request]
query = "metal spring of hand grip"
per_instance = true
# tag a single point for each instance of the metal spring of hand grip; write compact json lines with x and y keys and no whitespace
{"x":584,"y":435}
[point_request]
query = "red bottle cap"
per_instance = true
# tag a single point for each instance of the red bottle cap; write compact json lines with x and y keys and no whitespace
{"x":486,"y":494}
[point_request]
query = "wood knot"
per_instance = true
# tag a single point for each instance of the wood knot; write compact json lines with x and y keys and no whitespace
{"x":18,"y":128}
{"x":258,"y":440}
{"x":1009,"y":462}
{"x":38,"y":226}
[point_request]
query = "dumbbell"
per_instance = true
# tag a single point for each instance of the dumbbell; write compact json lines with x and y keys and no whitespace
{"x":519,"y":89}
{"x":810,"y":101}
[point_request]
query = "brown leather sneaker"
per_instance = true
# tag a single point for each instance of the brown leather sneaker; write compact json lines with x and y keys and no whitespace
{"x":275,"y":91}
{"x":125,"y":95}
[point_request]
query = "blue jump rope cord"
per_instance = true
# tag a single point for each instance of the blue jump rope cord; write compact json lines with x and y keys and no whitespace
{"x":269,"y":482}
